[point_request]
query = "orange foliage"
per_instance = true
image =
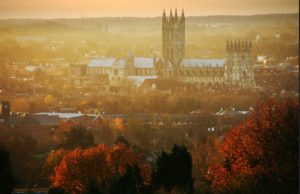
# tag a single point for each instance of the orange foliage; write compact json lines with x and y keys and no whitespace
{"x":101,"y":163}
{"x":20,"y":105}
{"x":254,"y":147}
{"x":58,"y":135}
{"x":52,"y":161}
{"x":118,"y":124}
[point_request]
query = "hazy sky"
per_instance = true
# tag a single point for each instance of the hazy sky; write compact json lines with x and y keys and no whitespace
{"x":96,"y":8}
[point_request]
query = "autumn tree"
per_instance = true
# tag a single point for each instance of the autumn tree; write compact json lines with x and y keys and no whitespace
{"x":204,"y":153}
{"x":78,"y":137}
{"x":261,"y":154}
{"x":58,"y":133}
{"x":53,"y":160}
{"x":101,"y":164}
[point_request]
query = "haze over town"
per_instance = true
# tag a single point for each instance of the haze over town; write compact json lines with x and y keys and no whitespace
{"x":149,"y":97}
{"x":139,"y":8}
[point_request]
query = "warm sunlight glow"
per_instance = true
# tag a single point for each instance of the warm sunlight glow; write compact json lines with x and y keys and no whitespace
{"x":142,"y":8}
{"x":149,"y":96}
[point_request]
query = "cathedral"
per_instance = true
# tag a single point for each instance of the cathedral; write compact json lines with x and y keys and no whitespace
{"x":234,"y":70}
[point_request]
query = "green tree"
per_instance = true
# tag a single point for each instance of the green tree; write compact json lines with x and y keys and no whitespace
{"x":56,"y":190}
{"x":78,"y":137}
{"x":6,"y":177}
{"x":92,"y":187}
{"x":174,"y":171}
{"x":130,"y":183}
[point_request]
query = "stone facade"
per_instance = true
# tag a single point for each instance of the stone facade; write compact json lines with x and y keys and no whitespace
{"x":235,"y":70}
{"x":239,"y":65}
{"x":173,"y":39}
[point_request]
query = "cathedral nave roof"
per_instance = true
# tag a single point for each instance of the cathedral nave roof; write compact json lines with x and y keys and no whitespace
{"x":203,"y":62}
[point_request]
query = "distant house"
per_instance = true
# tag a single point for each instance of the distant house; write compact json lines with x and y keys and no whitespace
{"x":230,"y":117}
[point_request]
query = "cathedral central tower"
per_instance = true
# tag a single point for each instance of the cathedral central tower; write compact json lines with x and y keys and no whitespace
{"x":173,"y":39}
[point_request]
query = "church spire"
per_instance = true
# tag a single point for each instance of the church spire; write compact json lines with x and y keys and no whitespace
{"x":176,"y":16}
{"x":182,"y":19}
{"x":164,"y":17}
{"x":171,"y":16}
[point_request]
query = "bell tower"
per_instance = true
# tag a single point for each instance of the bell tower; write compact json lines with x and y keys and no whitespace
{"x":173,"y":39}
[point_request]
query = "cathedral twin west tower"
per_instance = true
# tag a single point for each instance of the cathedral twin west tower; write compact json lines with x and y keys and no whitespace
{"x":235,"y":70}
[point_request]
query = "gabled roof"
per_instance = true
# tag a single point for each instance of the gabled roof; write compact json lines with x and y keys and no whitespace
{"x":120,"y":63}
{"x":108,"y":62}
{"x":143,"y":62}
{"x":203,"y":62}
{"x":60,"y":115}
{"x":45,"y":120}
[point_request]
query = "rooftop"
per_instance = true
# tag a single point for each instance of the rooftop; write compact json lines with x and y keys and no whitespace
{"x":203,"y":62}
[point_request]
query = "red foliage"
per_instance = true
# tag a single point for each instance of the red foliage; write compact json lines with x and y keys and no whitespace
{"x":52,"y":161}
{"x":101,"y":163}
{"x":265,"y":144}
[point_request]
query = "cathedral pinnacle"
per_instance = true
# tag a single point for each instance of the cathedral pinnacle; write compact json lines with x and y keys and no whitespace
{"x":176,"y":16}
{"x":171,"y":16}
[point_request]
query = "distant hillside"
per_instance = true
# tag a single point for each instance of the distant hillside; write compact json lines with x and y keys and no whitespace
{"x":234,"y":19}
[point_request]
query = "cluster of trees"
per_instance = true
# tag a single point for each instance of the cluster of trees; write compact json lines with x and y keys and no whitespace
{"x":102,"y":166}
{"x":275,"y":81}
{"x":175,"y":102}
{"x":24,"y":156}
{"x":258,"y":156}
{"x":119,"y":169}
{"x":155,"y":102}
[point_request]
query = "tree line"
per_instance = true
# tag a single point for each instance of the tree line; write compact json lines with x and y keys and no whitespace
{"x":258,"y":156}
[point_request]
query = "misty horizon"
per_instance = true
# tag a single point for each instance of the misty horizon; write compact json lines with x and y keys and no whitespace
{"x":149,"y":97}
{"x":150,"y":17}
{"x":141,"y":8}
